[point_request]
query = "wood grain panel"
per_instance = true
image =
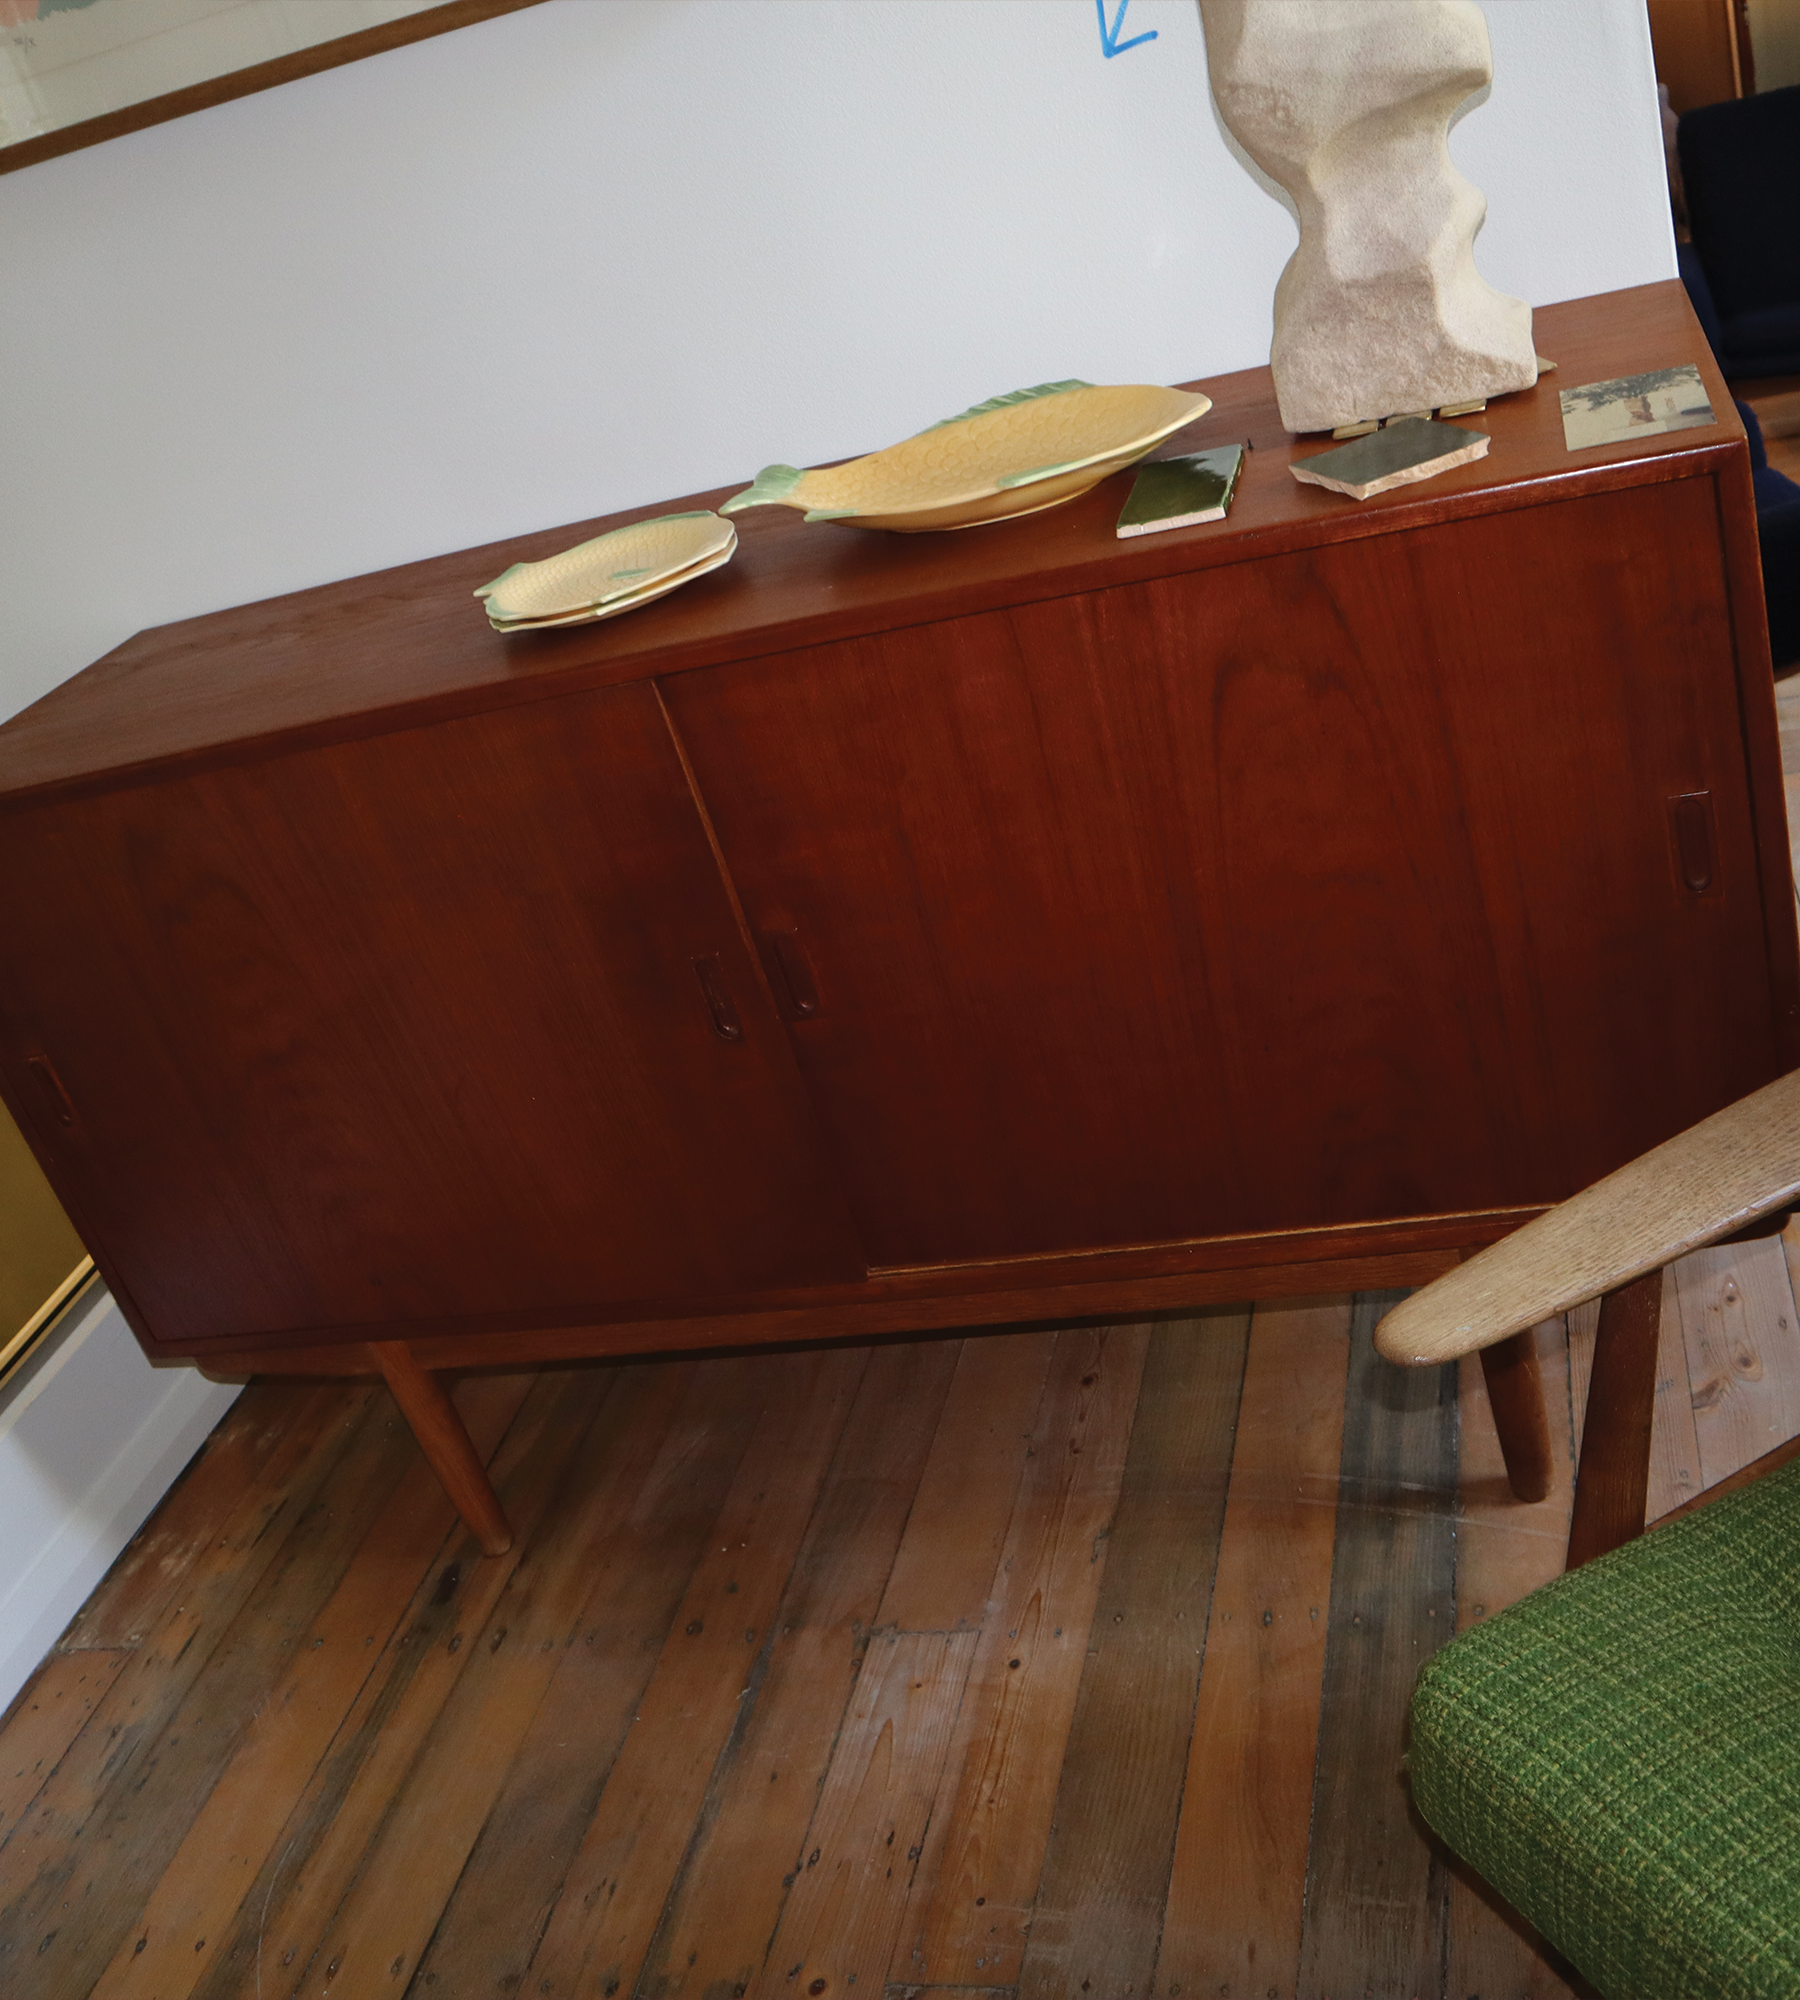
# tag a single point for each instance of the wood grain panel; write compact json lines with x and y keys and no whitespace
{"x":1674,"y":1446}
{"x":1790,"y":1236}
{"x":1612,"y":1473}
{"x":616,"y":1887}
{"x":1232,"y":1925}
{"x":968,"y":1916}
{"x":1105,"y":1882}
{"x":1639,"y":735}
{"x":1583,"y":1323}
{"x":957,"y":821}
{"x":418,"y":1030}
{"x":1377,"y":1897}
{"x":1056,"y":1290}
{"x":1676,"y":1469}
{"x":1735,"y":1305}
{"x":752,"y":1832}
{"x":1700,"y":48}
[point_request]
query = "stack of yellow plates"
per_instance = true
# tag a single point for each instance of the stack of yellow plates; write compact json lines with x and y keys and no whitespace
{"x":611,"y":574}
{"x":1014,"y":455}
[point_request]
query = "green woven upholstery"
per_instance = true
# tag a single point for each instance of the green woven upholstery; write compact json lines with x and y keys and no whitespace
{"x":1619,"y":1755}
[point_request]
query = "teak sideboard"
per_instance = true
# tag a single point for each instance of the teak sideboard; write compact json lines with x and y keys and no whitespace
{"x":894,"y":932}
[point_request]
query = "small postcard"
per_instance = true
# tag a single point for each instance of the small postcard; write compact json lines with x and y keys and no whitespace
{"x":1182,"y":492}
{"x":1635,"y":406}
{"x":1406,"y":449}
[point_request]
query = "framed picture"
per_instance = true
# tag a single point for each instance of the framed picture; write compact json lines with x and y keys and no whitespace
{"x":74,"y":72}
{"x":43,"y":1266}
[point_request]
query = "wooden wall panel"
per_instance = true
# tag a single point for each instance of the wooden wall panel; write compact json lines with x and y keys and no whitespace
{"x":1700,"y":49}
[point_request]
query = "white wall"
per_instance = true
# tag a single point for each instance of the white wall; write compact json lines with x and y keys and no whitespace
{"x":601,"y":252}
{"x":88,"y":1445}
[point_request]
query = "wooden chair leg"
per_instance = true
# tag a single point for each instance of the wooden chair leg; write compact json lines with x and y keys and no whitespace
{"x":1614,"y":1476}
{"x":1515,"y":1390}
{"x":427,"y":1408}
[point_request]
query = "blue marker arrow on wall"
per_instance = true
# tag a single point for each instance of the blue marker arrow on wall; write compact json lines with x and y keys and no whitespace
{"x":1110,"y":45}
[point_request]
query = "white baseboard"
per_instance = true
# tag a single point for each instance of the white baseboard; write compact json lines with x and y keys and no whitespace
{"x":88,"y":1446}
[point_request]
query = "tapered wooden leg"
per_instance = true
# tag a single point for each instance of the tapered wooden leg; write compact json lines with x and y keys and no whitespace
{"x":1516,"y":1396}
{"x":1614,"y":1476}
{"x":427,"y":1408}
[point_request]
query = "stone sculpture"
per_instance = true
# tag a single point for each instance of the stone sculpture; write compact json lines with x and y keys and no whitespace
{"x":1347,"y":105}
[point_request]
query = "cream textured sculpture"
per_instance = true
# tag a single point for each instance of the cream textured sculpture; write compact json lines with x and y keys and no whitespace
{"x":1347,"y":104}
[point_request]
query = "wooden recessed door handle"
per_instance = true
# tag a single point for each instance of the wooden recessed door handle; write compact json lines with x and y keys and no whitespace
{"x":1691,"y":823}
{"x":726,"y":1023}
{"x":793,"y":973}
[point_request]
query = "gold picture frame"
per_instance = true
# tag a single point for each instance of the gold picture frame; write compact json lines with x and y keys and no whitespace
{"x":44,"y":1267}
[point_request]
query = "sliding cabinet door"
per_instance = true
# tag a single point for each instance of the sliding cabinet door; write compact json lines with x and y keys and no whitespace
{"x":451,"y":1024}
{"x":1329,"y":888}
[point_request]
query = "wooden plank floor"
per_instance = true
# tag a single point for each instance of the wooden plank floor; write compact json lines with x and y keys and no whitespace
{"x":1046,"y":1663}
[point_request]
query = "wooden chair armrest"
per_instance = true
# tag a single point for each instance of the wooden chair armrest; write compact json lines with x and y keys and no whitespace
{"x":1741,"y":1163}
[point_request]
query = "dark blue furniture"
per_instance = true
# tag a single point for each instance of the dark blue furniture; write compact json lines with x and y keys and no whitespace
{"x":1740,"y":166}
{"x":1777,"y":497}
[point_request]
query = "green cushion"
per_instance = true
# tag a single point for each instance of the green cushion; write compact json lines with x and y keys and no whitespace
{"x":1619,"y":1755}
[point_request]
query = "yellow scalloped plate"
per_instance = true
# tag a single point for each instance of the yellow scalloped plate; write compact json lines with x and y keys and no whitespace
{"x":613,"y":573}
{"x":1014,"y":455}
{"x":617,"y":606}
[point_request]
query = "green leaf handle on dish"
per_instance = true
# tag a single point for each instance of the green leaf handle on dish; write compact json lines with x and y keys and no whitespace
{"x":774,"y":484}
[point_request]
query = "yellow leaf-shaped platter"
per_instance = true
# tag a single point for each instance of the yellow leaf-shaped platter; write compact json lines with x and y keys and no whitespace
{"x":613,"y":573}
{"x":1014,"y":455}
{"x":613,"y":607}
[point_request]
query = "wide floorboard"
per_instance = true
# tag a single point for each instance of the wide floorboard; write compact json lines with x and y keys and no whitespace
{"x":1053,"y":1663}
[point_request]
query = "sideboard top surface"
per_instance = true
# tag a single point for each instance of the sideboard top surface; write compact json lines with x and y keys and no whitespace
{"x":409,"y":645}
